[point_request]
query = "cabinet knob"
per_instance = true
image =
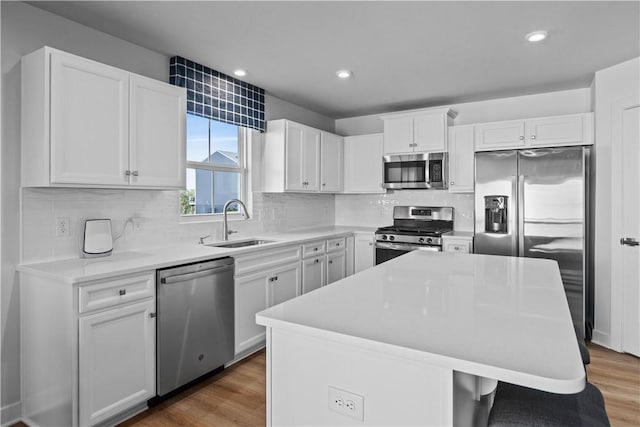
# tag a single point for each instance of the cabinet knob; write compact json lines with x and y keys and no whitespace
{"x":152,"y":315}
{"x":330,"y":261}
{"x":338,"y":244}
{"x":521,"y":137}
{"x":317,"y":260}
{"x":127,"y":173}
{"x":315,"y":249}
{"x":134,"y":173}
{"x":122,"y":291}
{"x":324,"y":184}
{"x":533,"y":137}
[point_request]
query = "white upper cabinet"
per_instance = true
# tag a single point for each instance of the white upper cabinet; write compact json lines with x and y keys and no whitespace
{"x":86,"y":124}
{"x":363,"y":164}
{"x":89,"y":112}
{"x":331,"y":162}
{"x":461,"y":159}
{"x":299,"y":158}
{"x":417,"y":131}
{"x":572,"y":129}
{"x":500,"y":135}
{"x":157,"y":133}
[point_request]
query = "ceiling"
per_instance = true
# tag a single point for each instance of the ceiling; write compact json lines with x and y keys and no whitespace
{"x":402,"y":54}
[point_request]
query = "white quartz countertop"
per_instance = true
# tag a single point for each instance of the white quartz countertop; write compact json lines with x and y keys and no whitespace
{"x":77,"y":270}
{"x":492,"y":316}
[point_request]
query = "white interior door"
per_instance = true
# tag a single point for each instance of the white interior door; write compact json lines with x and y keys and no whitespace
{"x":630,"y":210}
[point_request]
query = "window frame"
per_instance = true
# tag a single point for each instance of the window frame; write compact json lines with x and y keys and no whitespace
{"x":242,"y":168}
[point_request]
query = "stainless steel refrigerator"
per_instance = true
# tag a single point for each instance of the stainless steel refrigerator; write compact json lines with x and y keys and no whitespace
{"x":533,"y":203}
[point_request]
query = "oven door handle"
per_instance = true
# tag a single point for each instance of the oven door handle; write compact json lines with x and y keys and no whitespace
{"x":405,"y":247}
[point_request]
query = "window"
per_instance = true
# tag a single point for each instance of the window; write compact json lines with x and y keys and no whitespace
{"x":215,"y":166}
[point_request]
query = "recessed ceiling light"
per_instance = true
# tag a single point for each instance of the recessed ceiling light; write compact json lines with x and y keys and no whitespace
{"x":536,"y":36}
{"x":343,"y":74}
{"x":240,"y":72}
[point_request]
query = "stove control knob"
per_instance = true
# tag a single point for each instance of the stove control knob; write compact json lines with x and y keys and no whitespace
{"x":421,"y":240}
{"x":429,"y":240}
{"x":384,"y":237}
{"x":392,"y":238}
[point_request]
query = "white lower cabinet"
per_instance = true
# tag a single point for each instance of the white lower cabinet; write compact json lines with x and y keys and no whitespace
{"x":461,"y":244}
{"x":336,"y":266}
{"x":313,"y":273}
{"x":274,"y":282}
{"x":116,"y":361}
{"x":88,"y":349}
{"x":364,"y":256}
{"x":250,"y":298}
{"x":284,"y":283}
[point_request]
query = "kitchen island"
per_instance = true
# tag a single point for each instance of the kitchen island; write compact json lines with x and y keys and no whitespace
{"x":397,"y":344}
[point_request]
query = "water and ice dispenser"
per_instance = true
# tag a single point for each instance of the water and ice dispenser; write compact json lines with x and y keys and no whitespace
{"x":495,"y":214}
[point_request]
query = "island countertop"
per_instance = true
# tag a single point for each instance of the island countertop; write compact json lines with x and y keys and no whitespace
{"x":497,"y":317}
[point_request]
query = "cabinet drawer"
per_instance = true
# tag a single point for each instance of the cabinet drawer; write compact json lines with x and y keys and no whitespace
{"x":462,"y":246}
{"x":108,"y":293}
{"x":265,"y":258}
{"x":313,"y":249}
{"x":336,"y":244}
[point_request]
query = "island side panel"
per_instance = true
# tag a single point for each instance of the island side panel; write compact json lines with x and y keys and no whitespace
{"x":396,"y":391}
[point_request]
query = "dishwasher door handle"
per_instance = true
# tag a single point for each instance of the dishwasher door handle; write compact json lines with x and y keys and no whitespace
{"x":196,"y":275}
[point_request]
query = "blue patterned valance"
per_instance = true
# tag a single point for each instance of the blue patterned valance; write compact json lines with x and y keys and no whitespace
{"x":218,"y":96}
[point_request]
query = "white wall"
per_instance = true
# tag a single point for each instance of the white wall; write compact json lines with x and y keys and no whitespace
{"x":25,"y":29}
{"x":377,"y":209}
{"x":611,"y":84}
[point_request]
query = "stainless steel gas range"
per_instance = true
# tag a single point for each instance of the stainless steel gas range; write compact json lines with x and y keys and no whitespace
{"x":414,"y":228}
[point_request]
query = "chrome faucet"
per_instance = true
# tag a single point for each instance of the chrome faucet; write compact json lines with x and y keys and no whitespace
{"x":225,"y":228}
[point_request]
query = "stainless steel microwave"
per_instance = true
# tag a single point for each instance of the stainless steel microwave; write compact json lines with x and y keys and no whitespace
{"x":419,"y":170}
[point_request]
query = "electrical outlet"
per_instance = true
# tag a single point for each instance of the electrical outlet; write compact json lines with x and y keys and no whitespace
{"x":346,"y":403}
{"x":62,"y":226}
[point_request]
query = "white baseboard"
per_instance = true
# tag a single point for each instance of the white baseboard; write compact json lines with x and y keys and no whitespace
{"x":11,"y":414}
{"x":602,"y":339}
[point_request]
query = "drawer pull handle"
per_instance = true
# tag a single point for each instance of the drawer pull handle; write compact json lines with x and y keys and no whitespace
{"x":122,"y":292}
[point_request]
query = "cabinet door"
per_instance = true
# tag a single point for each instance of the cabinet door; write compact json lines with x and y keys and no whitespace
{"x":117,"y":354}
{"x":311,"y":159}
{"x":500,"y":135}
{"x":331,"y":167}
{"x":336,"y":266}
{"x":294,"y":157}
{"x":363,"y":164}
{"x":89,"y":122}
{"x":157,"y":133}
{"x":430,"y":133}
{"x":461,"y":159}
{"x":313,"y":273}
{"x":398,"y":135}
{"x":562,"y":130}
{"x":284,"y":283}
{"x":364,"y":251}
{"x":250,"y":298}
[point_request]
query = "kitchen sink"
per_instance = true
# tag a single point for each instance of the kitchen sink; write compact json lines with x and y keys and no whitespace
{"x":240,"y":244}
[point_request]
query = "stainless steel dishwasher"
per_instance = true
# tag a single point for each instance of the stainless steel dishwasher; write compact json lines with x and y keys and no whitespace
{"x":195,"y":323}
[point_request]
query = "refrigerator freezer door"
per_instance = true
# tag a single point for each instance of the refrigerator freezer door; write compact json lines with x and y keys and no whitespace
{"x":496,"y":175}
{"x":552,"y":216}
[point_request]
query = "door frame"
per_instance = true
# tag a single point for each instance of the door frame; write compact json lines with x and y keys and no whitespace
{"x":617,"y":286}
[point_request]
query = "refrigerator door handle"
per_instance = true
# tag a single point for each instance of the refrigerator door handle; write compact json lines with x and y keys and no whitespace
{"x":521,"y":211}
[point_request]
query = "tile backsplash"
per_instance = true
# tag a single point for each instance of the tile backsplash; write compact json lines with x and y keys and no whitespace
{"x":376,"y":210}
{"x":155,"y":218}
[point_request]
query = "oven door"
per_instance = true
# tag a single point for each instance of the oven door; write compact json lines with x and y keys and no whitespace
{"x":386,"y":250}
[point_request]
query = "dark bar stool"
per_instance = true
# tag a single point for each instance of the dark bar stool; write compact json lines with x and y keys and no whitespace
{"x":521,"y":406}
